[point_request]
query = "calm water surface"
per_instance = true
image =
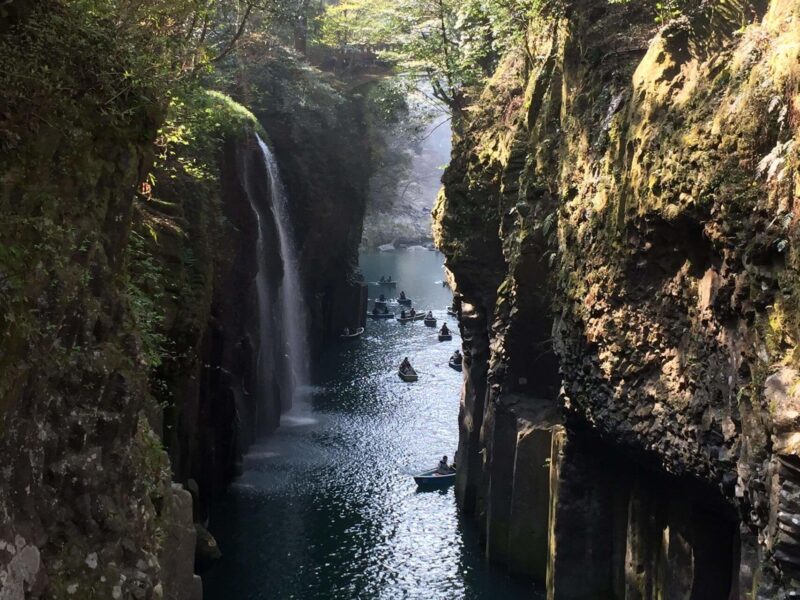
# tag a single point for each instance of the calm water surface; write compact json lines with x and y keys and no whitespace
{"x":327,"y":508}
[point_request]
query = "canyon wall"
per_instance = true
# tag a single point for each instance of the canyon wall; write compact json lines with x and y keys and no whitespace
{"x":128,"y":304}
{"x":618,"y":218}
{"x":87,"y":509}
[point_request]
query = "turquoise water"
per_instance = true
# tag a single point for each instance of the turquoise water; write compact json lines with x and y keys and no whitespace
{"x":327,"y":508}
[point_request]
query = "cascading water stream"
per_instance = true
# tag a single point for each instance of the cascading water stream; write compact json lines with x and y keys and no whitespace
{"x":282,"y":316}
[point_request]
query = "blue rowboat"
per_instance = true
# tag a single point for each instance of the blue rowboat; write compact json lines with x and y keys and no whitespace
{"x":434,"y":479}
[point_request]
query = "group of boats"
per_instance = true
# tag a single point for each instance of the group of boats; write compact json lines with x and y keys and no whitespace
{"x":444,"y":474}
{"x":380,"y":309}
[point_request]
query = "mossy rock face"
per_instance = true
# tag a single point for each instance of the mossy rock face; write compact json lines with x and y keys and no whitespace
{"x":637,"y":184}
{"x":84,"y":477}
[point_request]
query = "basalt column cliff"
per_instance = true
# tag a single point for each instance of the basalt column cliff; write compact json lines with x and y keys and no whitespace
{"x":619,"y":221}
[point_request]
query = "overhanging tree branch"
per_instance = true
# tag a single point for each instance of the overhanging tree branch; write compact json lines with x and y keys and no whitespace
{"x":239,"y":31}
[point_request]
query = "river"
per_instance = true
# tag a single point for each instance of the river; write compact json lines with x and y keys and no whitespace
{"x":326,"y":507}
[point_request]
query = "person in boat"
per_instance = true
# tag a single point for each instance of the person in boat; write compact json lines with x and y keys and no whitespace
{"x":405,"y":366}
{"x":375,"y":310}
{"x":412,"y":313}
{"x":444,"y":330}
{"x":389,"y":279}
{"x":402,"y":295}
{"x":444,"y":466}
{"x":456,"y":358}
{"x":382,"y":298}
{"x":383,"y":279}
{"x":429,"y":315}
{"x":402,"y":313}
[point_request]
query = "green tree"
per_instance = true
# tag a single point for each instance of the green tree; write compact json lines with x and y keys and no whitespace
{"x":451,"y":44}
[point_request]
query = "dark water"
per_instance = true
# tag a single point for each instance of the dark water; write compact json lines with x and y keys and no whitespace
{"x":327,"y":508}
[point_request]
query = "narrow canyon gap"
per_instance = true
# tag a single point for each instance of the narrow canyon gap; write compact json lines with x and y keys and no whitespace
{"x":200,"y":392}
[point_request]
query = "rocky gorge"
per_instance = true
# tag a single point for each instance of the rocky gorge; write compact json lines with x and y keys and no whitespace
{"x":618,"y":224}
{"x":618,"y":219}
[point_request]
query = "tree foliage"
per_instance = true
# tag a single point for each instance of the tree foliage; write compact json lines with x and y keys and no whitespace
{"x":452,"y":44}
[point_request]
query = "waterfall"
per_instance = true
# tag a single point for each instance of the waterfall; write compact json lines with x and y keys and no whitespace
{"x":283,"y":346}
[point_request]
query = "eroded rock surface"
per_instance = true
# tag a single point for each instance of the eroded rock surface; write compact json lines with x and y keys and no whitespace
{"x":620,"y":208}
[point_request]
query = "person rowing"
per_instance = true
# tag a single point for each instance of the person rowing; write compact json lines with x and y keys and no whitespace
{"x":405,"y":366}
{"x":444,"y":330}
{"x":402,"y":295}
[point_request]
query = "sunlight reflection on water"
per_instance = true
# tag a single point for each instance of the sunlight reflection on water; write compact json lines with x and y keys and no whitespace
{"x":327,"y":508}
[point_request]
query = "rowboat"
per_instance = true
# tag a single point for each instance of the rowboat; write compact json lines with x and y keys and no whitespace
{"x":409,"y":376}
{"x":386,"y":315}
{"x":351,"y":336}
{"x":445,"y":337}
{"x":455,"y":364}
{"x":430,"y":322}
{"x":419,"y":316}
{"x":406,"y":319}
{"x":452,"y":311}
{"x":434,"y":479}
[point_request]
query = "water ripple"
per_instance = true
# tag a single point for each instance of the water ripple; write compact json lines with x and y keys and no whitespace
{"x":327,"y":508}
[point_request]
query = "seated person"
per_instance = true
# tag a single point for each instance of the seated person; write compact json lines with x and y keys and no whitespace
{"x":403,"y":313}
{"x":456,"y":356}
{"x":429,"y":315}
{"x":444,"y":330}
{"x":443,"y":467}
{"x":402,"y":295}
{"x":405,"y":365}
{"x":412,"y":313}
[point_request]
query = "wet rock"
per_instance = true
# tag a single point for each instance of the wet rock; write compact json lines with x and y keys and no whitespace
{"x":207,"y":551}
{"x":177,"y":557}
